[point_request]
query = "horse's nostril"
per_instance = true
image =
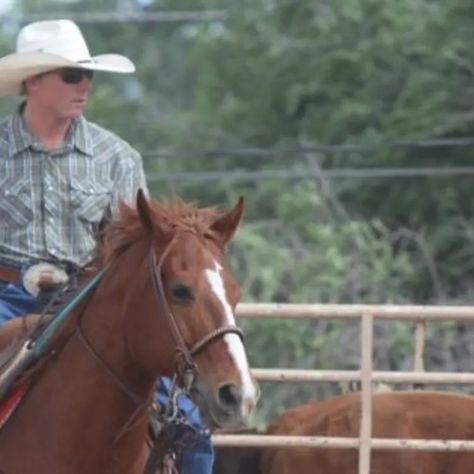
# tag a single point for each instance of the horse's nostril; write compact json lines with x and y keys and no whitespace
{"x":230,"y":396}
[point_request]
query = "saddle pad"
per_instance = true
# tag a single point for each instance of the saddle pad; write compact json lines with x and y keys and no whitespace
{"x":11,"y":401}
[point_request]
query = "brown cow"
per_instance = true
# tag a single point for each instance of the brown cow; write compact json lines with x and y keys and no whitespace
{"x":417,"y":414}
{"x":237,"y":459}
{"x":430,"y":415}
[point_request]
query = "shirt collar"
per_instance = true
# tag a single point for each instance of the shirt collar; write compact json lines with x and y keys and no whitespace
{"x":20,"y":137}
{"x":77,"y":136}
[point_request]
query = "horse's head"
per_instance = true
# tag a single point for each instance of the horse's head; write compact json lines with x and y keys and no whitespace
{"x":183,"y":304}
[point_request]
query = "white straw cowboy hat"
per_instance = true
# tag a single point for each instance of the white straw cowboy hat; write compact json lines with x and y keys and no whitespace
{"x":47,"y":45}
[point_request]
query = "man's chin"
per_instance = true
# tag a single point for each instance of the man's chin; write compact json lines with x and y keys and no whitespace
{"x":72,"y":115}
{"x":76,"y":110}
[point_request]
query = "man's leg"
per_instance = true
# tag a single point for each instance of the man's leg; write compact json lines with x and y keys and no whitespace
{"x":14,"y":302}
{"x":198,"y":455}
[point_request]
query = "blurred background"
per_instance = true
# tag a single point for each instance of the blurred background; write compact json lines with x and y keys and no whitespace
{"x":347,"y":126}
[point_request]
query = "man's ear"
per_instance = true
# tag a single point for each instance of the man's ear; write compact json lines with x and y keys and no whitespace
{"x":31,"y":83}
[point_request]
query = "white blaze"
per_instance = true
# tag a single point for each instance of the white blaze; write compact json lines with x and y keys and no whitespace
{"x":233,"y":341}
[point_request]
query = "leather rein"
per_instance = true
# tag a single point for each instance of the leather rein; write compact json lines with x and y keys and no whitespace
{"x":185,"y":367}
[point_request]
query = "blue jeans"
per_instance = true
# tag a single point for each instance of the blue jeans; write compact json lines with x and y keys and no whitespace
{"x":14,"y":301}
{"x":197,"y":458}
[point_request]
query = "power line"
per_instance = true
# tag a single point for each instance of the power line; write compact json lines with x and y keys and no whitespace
{"x":133,"y":17}
{"x":343,"y":173}
{"x":461,"y":142}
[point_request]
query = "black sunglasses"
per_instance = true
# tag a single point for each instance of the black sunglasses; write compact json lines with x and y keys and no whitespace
{"x":72,"y":75}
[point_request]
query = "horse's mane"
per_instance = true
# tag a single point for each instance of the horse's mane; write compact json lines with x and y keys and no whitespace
{"x":172,"y":216}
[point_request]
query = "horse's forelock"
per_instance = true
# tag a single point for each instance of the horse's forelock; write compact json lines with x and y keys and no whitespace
{"x":170,"y":217}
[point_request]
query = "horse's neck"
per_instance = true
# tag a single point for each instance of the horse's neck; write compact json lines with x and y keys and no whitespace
{"x":99,"y":392}
{"x":74,"y":412}
{"x":97,"y":352}
{"x":102,"y":336}
{"x":77,"y":410}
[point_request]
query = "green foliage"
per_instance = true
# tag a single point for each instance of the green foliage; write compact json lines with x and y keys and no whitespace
{"x":358,"y":71}
{"x":291,"y":73}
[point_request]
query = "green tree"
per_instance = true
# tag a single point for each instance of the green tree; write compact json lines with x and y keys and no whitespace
{"x":282,"y":74}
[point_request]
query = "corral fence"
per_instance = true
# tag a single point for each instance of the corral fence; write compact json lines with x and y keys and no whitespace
{"x":418,"y":315}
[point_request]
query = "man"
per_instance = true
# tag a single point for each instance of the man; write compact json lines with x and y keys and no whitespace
{"x":60,"y":175}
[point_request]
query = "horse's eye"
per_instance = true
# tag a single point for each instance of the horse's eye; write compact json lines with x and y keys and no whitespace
{"x":182,"y":292}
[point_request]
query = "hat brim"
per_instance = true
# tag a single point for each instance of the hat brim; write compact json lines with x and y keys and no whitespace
{"x":15,"y":68}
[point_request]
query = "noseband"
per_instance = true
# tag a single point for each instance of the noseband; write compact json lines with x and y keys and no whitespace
{"x":186,"y":369}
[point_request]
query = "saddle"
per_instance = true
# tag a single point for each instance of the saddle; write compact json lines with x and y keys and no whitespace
{"x":15,"y":359}
{"x":17,"y":354}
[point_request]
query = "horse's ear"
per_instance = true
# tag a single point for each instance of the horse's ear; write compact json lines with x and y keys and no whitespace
{"x":144,"y":210}
{"x":226,"y":225}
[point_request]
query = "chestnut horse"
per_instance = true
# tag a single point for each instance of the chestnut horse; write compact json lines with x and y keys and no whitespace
{"x":416,"y":415}
{"x":165,"y":301}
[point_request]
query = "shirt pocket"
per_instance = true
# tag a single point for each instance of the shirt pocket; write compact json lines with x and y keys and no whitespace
{"x":90,"y":199}
{"x":16,"y":201}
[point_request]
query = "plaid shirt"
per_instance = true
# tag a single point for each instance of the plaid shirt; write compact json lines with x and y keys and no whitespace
{"x":52,"y":202}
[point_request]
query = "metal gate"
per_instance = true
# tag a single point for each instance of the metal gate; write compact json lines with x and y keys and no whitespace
{"x":418,"y":315}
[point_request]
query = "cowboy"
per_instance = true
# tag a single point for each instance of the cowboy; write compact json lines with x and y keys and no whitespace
{"x":61,"y":176}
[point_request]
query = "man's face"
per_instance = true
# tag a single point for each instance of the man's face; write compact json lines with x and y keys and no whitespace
{"x":63,"y":92}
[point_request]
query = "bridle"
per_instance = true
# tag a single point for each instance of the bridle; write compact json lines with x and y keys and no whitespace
{"x":185,"y":367}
